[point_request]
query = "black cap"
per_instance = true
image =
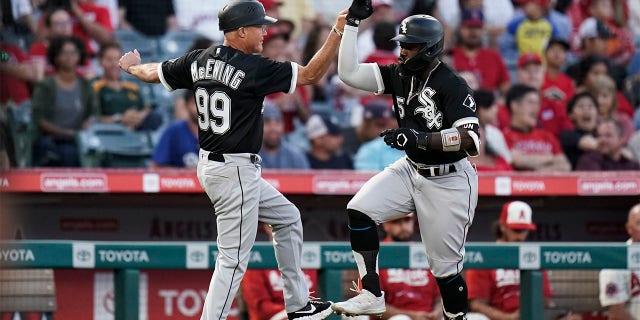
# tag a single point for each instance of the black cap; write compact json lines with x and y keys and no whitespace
{"x":243,"y":13}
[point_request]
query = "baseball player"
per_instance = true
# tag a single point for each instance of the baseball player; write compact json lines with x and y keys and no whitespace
{"x":230,"y":82}
{"x":620,"y":289}
{"x":438,"y":129}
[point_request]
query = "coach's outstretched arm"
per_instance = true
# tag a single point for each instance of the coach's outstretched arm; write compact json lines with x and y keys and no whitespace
{"x":130,"y":62}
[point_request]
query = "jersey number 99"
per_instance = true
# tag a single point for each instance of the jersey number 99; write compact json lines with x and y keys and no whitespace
{"x":213,"y":111}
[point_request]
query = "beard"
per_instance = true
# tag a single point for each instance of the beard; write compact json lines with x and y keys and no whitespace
{"x":271,"y":144}
{"x":473,"y":43}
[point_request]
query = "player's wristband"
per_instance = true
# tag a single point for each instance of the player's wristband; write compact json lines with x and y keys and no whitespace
{"x":352,"y":21}
{"x":424,"y":141}
{"x":338,"y":32}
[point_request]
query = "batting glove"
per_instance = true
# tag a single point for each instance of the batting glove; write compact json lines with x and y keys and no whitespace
{"x":359,"y":10}
{"x":405,"y":139}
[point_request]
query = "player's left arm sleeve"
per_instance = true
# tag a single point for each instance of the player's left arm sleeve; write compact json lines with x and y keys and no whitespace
{"x":364,"y":76}
{"x":461,"y":109}
{"x":176,"y":73}
{"x":613,"y":286}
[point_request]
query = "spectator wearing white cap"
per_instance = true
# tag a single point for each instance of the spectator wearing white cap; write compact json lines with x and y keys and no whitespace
{"x":275,"y":152}
{"x":495,"y":294}
{"x":326,"y":144}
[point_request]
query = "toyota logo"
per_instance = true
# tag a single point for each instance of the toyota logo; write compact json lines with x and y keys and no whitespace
{"x":310,"y":256}
{"x":196,"y":256}
{"x":529,"y":257}
{"x":83,"y":255}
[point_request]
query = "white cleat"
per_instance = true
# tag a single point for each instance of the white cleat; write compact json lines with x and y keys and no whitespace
{"x":364,"y":303}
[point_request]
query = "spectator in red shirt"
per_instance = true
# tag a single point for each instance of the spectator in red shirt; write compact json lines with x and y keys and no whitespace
{"x":495,"y":294}
{"x":56,"y":22}
{"x":557,"y":88}
{"x":411,"y":293}
{"x":91,"y":23}
{"x":262,"y":289}
{"x":532,"y":149}
{"x":15,"y":75}
{"x":553,"y":115}
{"x":469,"y":54}
{"x":609,"y":154}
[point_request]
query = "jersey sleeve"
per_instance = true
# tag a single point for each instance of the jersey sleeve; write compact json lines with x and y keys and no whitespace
{"x":459,"y":106}
{"x":613,"y":287}
{"x":176,"y":73}
{"x":272,"y":76}
{"x":479,"y":284}
{"x":389,"y":75}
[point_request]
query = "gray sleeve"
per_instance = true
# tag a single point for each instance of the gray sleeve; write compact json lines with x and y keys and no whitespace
{"x":364,"y":76}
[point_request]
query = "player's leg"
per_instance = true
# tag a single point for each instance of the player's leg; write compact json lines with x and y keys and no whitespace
{"x":383,"y":197}
{"x":284,"y":218}
{"x":445,"y":210}
{"x":233,"y":190}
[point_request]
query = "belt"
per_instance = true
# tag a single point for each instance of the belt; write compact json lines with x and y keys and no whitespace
{"x":219,"y":157}
{"x":432,"y":170}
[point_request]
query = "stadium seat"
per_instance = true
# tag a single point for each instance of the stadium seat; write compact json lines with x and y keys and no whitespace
{"x":175,"y":43}
{"x":23,"y":132}
{"x":113,"y":145}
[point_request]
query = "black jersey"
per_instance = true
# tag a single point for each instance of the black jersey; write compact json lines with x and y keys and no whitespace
{"x":444,"y":101}
{"x":229,"y":87}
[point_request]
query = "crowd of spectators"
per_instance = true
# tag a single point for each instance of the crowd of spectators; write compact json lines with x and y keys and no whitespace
{"x":557,"y":82}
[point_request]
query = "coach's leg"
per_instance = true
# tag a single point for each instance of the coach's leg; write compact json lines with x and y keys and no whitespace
{"x":445,"y":214}
{"x":235,"y":198}
{"x":284,"y":218}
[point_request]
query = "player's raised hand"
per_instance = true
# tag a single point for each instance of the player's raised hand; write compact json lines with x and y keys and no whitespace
{"x":359,"y":10}
{"x":130,"y":59}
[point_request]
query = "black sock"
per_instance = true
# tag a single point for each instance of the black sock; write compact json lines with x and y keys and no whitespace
{"x":453,"y":290}
{"x":363,"y":234}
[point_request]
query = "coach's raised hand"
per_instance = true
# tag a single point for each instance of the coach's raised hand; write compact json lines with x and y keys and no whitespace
{"x":359,"y":10}
{"x":130,"y":59}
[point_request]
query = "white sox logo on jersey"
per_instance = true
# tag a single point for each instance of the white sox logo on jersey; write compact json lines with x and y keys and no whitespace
{"x":428,"y":109}
{"x":403,"y":27}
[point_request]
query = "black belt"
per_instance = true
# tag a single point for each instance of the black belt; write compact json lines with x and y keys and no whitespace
{"x":432,"y":170}
{"x":219,"y":157}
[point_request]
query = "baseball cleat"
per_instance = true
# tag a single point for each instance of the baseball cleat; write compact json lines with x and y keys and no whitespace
{"x":314,"y":310}
{"x":364,"y":303}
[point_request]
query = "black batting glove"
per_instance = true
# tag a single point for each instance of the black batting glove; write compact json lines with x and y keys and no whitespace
{"x":405,"y":139}
{"x":359,"y":10}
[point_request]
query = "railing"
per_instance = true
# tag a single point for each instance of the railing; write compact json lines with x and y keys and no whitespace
{"x":127,"y":258}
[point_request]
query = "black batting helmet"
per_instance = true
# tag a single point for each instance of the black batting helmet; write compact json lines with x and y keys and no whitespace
{"x":424,"y":29}
{"x":243,"y":13}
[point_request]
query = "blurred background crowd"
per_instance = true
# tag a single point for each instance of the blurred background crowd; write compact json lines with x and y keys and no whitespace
{"x":556,"y":82}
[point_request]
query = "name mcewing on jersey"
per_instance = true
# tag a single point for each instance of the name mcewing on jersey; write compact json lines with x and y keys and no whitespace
{"x":217,"y":70}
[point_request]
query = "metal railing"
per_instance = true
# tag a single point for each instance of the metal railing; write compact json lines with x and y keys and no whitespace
{"x":330,"y":258}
